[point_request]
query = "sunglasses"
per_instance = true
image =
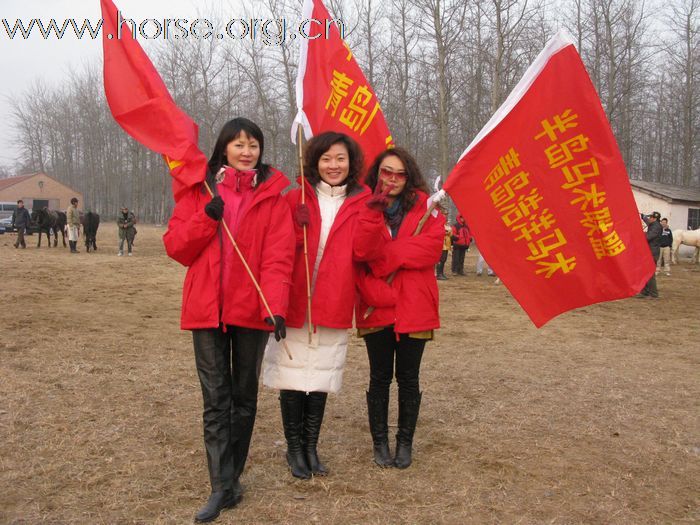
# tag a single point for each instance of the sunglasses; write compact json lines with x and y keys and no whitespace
{"x":387,"y":173}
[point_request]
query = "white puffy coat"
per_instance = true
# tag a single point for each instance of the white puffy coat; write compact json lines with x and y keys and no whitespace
{"x":315,"y":367}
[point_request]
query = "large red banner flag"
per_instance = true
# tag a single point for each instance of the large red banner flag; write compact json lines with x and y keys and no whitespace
{"x":545,"y":191}
{"x":142,"y":106}
{"x":332,"y":92}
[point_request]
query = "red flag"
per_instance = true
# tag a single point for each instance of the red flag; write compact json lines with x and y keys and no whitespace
{"x":332,"y":92}
{"x":546,"y":193}
{"x":143,"y":107}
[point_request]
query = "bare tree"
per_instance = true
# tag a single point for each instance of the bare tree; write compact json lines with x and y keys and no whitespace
{"x":439,"y":69}
{"x":684,"y":55}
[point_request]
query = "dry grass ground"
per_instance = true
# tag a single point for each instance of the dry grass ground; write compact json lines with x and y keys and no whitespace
{"x":592,"y":419}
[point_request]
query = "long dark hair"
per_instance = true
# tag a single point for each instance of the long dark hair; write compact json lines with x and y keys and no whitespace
{"x":229,"y":132}
{"x":320,"y":144}
{"x":414,"y":177}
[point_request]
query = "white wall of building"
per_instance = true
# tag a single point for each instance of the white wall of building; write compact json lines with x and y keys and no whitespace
{"x":677,"y":214}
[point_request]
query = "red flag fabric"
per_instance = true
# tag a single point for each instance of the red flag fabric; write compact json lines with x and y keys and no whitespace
{"x":143,"y":107}
{"x":332,"y":92}
{"x":545,"y":191}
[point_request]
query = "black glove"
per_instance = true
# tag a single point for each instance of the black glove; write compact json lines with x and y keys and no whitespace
{"x":278,"y":323}
{"x":215,"y":208}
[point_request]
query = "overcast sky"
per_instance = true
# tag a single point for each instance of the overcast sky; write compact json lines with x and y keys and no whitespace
{"x":24,"y":61}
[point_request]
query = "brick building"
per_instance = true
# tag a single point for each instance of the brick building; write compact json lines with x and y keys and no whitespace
{"x":37,"y":191}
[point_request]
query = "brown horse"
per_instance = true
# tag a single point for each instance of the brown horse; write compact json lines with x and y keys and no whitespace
{"x":47,"y":220}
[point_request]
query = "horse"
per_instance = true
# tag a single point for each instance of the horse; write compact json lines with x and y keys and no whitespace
{"x":689,"y":238}
{"x":90,"y":222}
{"x":47,"y":220}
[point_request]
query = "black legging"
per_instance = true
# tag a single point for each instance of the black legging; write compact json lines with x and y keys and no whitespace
{"x":440,"y":268}
{"x":228,"y":365}
{"x":458,"y":253}
{"x":381,"y":348}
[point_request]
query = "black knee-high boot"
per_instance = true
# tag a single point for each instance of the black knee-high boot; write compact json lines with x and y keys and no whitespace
{"x":378,"y":412}
{"x":409,"y":406}
{"x":314,"y":408}
{"x":292,"y":405}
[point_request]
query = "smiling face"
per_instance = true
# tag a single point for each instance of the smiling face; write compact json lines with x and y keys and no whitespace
{"x":243,"y":152}
{"x":392,"y":173}
{"x":334,"y":165}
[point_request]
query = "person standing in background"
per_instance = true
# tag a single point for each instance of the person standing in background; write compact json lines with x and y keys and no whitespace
{"x":446,"y":247}
{"x":20,"y":220}
{"x":461,"y":238}
{"x":653,"y":235}
{"x":73,"y":225}
{"x":481,"y":262}
{"x":127,"y":230}
{"x":666,"y":243}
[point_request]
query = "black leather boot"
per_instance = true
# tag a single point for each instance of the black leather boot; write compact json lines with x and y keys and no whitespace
{"x":409,"y":407}
{"x":314,"y":408}
{"x":378,"y":412}
{"x":217,"y":502}
{"x":292,"y":405}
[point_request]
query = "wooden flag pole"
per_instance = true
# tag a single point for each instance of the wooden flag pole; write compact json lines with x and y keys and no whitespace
{"x":306,"y":245}
{"x":250,"y":272}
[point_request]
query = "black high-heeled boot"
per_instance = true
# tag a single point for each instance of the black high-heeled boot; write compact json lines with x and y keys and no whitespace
{"x":409,"y":407}
{"x":314,"y":408}
{"x":292,"y":406}
{"x":378,"y":413}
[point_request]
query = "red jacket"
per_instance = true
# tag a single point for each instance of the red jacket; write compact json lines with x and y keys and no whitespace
{"x":333,"y":296}
{"x":266,"y":239}
{"x":461,"y":236}
{"x":411,"y":302}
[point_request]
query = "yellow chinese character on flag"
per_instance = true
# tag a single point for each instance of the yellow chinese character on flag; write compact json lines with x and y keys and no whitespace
{"x":501,"y":195}
{"x":506,"y":163}
{"x":561,"y":123}
{"x":560,"y":263}
{"x":609,"y":246}
{"x":540,"y":248}
{"x":539,"y":223}
{"x":355,"y":115}
{"x":597,"y":221}
{"x":507,"y":190}
{"x":576,"y":174}
{"x":560,"y":154}
{"x":526,"y":204}
{"x":339,"y":90}
{"x":592,"y":196}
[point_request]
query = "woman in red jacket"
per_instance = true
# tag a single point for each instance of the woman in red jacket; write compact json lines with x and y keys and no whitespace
{"x":220,"y":304}
{"x":334,"y":198}
{"x":405,"y":312}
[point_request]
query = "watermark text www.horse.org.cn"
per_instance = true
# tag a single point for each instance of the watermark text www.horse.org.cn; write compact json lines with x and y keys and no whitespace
{"x":270,"y":31}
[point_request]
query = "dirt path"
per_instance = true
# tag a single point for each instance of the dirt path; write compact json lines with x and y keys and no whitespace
{"x":592,"y":419}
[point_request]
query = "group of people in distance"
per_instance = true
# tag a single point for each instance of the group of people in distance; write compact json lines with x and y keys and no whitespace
{"x":362,"y":239}
{"x":126,"y":221}
{"x":458,"y":238}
